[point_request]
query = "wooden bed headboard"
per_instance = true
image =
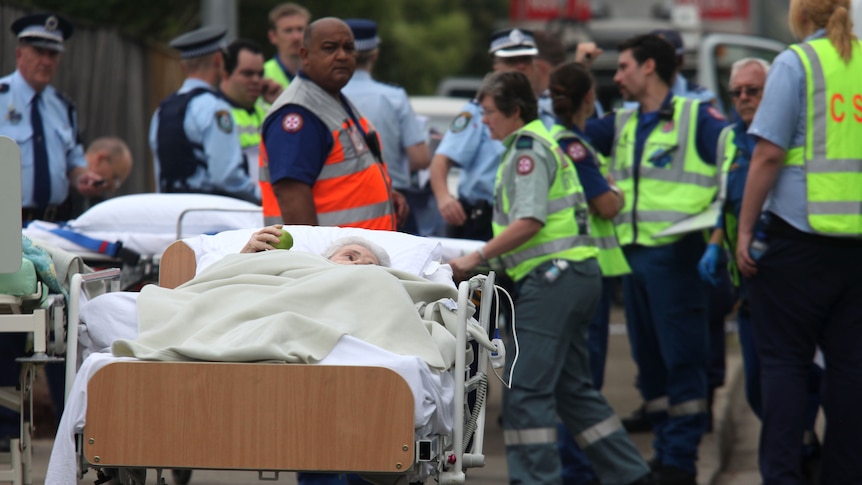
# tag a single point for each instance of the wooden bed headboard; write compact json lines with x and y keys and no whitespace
{"x":177,"y":266}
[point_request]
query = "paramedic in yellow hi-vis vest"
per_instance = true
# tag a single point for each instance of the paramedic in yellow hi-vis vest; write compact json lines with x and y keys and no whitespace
{"x":287,"y":24}
{"x":320,"y":160}
{"x":804,"y":256}
{"x":663,"y":159}
{"x":241,"y":88}
{"x":542,"y":237}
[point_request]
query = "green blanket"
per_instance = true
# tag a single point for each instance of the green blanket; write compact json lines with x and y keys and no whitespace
{"x":292,"y":306}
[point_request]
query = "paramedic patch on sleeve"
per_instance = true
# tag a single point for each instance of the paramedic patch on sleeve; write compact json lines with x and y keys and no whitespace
{"x":224,"y":121}
{"x":292,"y":122}
{"x":525,"y":165}
{"x":577,"y":151}
{"x":715,"y":113}
{"x":460,"y":122}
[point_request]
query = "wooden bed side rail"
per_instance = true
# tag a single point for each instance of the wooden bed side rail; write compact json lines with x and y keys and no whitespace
{"x":249,"y":417}
{"x":178,"y":265}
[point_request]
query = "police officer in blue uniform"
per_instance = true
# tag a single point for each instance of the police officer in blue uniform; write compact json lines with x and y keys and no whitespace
{"x":468,"y":145}
{"x":44,"y":123}
{"x":193,"y":137}
{"x":388,"y":109}
{"x":666,"y":303}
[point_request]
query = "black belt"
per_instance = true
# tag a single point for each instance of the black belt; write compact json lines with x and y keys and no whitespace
{"x":781,"y":229}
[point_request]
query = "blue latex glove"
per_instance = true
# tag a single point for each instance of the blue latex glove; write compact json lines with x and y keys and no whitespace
{"x":708,"y":262}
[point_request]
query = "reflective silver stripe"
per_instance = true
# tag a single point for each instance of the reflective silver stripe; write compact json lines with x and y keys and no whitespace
{"x":566,"y":202}
{"x":719,"y":159}
{"x":677,"y":175}
{"x":657,"y":405}
{"x":533,"y":436}
{"x":606,"y":242}
{"x":270,"y":220}
{"x":263,"y":175}
{"x":599,"y":431}
{"x":687,"y":408}
{"x":622,"y":118}
{"x":248,"y":130}
{"x":819,"y":138}
{"x":835,"y":208}
{"x":835,"y":165}
{"x":549,"y":247}
{"x":340,"y":169}
{"x":364,"y":213}
{"x":650,"y":216}
{"x":499,"y":217}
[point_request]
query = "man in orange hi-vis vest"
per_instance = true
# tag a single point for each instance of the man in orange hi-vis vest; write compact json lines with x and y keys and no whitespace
{"x":320,"y":161}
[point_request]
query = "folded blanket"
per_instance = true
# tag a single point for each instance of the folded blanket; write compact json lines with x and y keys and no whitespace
{"x":293,"y":307}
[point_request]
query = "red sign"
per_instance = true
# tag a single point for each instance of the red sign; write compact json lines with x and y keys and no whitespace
{"x":719,"y":9}
{"x":521,"y":10}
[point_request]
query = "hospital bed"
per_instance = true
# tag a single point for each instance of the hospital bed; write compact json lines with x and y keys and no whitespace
{"x":32,"y":302}
{"x":131,"y":415}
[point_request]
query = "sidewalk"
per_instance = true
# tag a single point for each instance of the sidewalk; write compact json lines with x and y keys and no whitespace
{"x":731,"y":446}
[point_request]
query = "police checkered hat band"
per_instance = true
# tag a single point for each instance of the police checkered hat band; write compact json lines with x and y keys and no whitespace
{"x":513,"y":43}
{"x":45,"y":30}
{"x":364,"y":34}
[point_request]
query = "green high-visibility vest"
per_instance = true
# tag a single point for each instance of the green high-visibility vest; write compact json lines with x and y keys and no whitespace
{"x":726,"y":155}
{"x":673,"y":181}
{"x":832,"y":154}
{"x":248,"y":125}
{"x":611,"y":258}
{"x":566,"y":233}
{"x":272,"y":70}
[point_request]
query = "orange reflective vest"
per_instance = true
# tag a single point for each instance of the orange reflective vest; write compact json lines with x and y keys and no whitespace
{"x":353,"y":188}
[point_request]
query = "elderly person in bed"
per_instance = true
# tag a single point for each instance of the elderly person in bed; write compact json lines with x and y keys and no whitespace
{"x":346,"y":250}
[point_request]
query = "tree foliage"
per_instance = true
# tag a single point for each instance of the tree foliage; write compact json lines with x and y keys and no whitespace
{"x":423,"y":41}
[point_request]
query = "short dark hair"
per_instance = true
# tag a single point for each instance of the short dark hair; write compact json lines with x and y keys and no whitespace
{"x":231,"y":53}
{"x":569,"y":85}
{"x":651,"y":46}
{"x":511,"y":90}
{"x":551,"y":48}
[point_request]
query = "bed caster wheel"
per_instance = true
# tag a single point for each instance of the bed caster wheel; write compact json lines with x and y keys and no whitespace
{"x":181,"y":477}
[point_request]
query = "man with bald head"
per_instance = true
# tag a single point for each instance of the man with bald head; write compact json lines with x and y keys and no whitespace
{"x":320,"y":160}
{"x":110,"y":158}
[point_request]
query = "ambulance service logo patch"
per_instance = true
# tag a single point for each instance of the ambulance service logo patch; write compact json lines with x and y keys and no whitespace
{"x":667,"y":127}
{"x":577,"y":151}
{"x":715,"y":113}
{"x":525,"y":165}
{"x":292,"y":122}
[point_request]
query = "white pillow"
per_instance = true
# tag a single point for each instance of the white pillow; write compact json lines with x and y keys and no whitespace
{"x":413,"y":254}
{"x":159,"y":214}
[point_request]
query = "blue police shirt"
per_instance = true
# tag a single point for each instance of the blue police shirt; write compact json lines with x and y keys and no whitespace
{"x":388,"y":109}
{"x":209,"y":122}
{"x":546,"y":110}
{"x":589,"y":174}
{"x":468,"y":143}
{"x":61,"y":135}
{"x":780,"y":120}
{"x":709,"y":123}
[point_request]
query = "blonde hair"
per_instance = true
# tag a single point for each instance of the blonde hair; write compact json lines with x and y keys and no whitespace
{"x":287,"y":10}
{"x":806,"y":16}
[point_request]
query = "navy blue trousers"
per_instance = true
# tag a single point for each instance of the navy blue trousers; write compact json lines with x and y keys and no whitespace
{"x":808,"y":292}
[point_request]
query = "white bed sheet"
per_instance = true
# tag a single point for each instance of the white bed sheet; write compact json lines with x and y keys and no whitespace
{"x":433,"y":398}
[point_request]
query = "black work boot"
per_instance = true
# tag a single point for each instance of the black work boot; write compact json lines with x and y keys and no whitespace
{"x":638,"y":421}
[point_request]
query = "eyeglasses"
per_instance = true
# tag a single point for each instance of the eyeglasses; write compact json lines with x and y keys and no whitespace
{"x":748,"y":91}
{"x":250,"y":73}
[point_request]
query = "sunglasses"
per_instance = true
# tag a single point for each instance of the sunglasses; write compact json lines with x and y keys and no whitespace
{"x":749,"y":91}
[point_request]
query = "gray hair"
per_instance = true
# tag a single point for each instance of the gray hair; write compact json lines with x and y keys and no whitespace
{"x":380,"y":253}
{"x":736,"y":66}
{"x":511,"y":91}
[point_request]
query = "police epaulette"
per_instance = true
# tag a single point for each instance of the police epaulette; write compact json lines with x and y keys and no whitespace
{"x":4,"y":88}
{"x":525,"y":142}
